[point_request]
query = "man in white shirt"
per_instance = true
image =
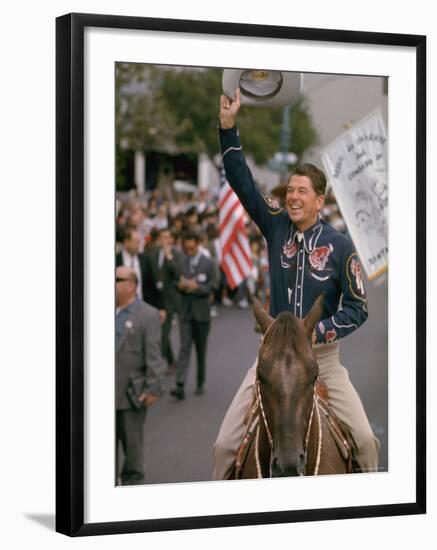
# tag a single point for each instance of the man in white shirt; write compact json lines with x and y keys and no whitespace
{"x":147,"y":288}
{"x":130,"y":256}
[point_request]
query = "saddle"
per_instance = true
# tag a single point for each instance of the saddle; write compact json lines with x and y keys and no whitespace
{"x":339,"y":431}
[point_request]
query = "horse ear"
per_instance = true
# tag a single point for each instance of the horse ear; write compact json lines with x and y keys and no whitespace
{"x":261,"y":315}
{"x":314,"y":315}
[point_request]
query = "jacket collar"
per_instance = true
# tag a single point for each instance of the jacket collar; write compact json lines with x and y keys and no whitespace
{"x":309,"y":236}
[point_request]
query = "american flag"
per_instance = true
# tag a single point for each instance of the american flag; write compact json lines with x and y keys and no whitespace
{"x":236,"y":259}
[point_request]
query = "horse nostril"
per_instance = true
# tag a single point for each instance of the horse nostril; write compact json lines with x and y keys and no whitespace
{"x":276,"y":467}
{"x":302,"y":464}
{"x":288,"y":469}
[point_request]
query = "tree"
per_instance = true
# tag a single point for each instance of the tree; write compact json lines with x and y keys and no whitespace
{"x":175,"y":109}
{"x":142,"y":121}
{"x":192,"y":96}
{"x":141,"y":117}
{"x":303,"y":133}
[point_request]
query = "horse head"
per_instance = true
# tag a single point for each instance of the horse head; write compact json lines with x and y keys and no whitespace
{"x":286,"y":374}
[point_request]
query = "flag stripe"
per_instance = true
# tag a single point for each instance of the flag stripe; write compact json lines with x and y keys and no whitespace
{"x":225,"y":194}
{"x":231,"y":271}
{"x":237,"y":262}
{"x":229,"y":235}
{"x":235,"y":251}
{"x":239,"y":256}
{"x":245,"y":248}
{"x":232,"y":216}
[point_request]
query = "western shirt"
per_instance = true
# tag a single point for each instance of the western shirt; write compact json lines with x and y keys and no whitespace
{"x":302,"y":265}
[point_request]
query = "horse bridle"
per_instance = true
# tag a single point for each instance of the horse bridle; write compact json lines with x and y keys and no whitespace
{"x":315,"y":407}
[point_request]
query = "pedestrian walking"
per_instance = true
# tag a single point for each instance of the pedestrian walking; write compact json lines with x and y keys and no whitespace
{"x":139,"y":367}
{"x":196,"y":283}
{"x":164,"y":261}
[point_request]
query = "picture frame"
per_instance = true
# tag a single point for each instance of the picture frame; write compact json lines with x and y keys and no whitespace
{"x":72,"y":204}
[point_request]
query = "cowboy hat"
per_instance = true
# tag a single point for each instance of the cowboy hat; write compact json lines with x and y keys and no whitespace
{"x":262,"y":88}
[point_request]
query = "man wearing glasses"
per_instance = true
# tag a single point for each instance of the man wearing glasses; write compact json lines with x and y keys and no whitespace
{"x":138,"y":370}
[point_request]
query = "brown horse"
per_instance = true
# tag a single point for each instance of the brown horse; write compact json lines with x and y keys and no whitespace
{"x":290,"y":429}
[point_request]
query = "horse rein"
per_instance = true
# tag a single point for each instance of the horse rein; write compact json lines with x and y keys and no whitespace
{"x":320,"y":435}
{"x":315,"y":407}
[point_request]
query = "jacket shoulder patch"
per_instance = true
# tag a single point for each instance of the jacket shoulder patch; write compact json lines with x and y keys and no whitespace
{"x":354,"y":274}
{"x":272,"y":203}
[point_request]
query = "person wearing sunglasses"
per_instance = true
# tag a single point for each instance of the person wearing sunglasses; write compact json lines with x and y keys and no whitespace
{"x":139,"y":368}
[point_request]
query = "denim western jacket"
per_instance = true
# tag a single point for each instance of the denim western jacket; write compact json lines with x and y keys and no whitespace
{"x":302,"y":265}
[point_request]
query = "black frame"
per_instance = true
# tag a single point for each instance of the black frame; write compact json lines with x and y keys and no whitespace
{"x":70,"y":276}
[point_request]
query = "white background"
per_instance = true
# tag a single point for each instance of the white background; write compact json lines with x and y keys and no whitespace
{"x":27,"y":278}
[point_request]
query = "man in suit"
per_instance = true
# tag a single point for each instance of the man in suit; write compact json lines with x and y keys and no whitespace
{"x":164,"y":261}
{"x":147,"y":289}
{"x":138,"y":369}
{"x":196,"y":283}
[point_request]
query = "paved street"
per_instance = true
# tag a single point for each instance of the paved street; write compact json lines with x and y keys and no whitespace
{"x":180,"y":434}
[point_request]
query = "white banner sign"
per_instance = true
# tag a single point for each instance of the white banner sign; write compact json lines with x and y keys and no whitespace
{"x":356,"y":167}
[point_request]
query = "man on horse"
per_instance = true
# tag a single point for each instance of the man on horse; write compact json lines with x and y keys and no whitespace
{"x":307,"y":257}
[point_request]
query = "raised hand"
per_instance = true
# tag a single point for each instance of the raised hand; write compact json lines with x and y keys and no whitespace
{"x":229,"y":109}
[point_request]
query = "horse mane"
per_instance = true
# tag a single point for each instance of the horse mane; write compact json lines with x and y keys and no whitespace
{"x":285,"y":330}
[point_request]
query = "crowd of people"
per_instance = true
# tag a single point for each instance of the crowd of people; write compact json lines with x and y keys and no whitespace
{"x":168,"y":273}
{"x":179,"y":213}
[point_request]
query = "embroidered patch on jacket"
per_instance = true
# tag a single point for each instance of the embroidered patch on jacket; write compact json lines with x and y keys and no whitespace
{"x":356,"y":272}
{"x":319,"y":257}
{"x":331,"y":336}
{"x":355,"y":276}
{"x":322,"y":327}
{"x":289,"y":250}
{"x":273,"y":204}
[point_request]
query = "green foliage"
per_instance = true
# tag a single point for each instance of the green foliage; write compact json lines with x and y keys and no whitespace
{"x":303,"y":134}
{"x":260,"y":131}
{"x":175,"y":110}
{"x":192,"y":97}
{"x":141,"y":116}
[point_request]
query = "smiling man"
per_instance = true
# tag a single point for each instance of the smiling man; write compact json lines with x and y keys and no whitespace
{"x":302,"y":201}
{"x":307,"y":257}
